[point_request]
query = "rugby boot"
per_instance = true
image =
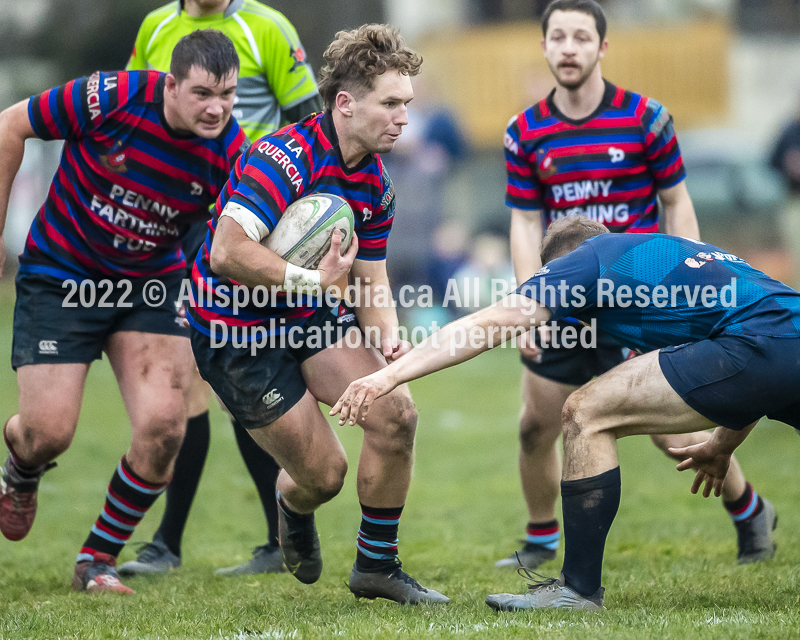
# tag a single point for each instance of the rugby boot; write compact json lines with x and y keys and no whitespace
{"x":392,"y":584}
{"x":755,"y":535}
{"x":530,"y":557}
{"x":99,"y":576}
{"x":300,"y":546}
{"x":18,"y":501}
{"x":153,"y":558}
{"x":266,"y":559}
{"x":548,"y":593}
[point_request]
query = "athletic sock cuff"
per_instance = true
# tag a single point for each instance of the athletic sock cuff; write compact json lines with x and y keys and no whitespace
{"x":605,"y":480}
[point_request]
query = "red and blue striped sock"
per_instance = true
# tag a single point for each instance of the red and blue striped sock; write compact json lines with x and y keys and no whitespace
{"x":749,"y":505}
{"x":128,"y":499}
{"x":377,"y":538}
{"x":543,"y":534}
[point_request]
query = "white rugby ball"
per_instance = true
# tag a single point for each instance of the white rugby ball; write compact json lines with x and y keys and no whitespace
{"x":303,"y":233}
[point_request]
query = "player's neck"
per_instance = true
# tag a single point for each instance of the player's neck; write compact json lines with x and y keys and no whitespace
{"x":582,"y":102}
{"x":197,"y":10}
{"x":351,"y":149}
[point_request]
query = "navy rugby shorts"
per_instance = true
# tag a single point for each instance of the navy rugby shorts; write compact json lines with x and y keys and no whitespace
{"x":48,"y":329}
{"x":734,"y":380}
{"x":259,"y":388}
{"x":577,"y":365}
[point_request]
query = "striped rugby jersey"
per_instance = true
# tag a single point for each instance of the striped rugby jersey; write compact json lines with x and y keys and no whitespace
{"x":273,"y":74}
{"x":127,"y":186}
{"x":296,"y":161}
{"x":607,"y":167}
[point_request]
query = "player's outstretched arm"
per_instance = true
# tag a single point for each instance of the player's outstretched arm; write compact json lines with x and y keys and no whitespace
{"x":711,"y":458}
{"x":457,"y":342}
{"x":15,"y":129}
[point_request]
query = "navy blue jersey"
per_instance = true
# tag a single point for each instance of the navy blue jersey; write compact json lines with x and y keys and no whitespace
{"x":652,"y":290}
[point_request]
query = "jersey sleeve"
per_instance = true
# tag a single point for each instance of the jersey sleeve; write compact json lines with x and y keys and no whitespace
{"x":76,"y":108}
{"x":271,"y":178}
{"x":566,"y":285}
{"x":285,"y":64}
{"x":373,"y":235}
{"x":523,"y":190}
{"x":661,"y":146}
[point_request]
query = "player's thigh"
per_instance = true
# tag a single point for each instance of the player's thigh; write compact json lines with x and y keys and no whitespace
{"x":153,"y":371}
{"x":632,"y":398}
{"x":303,"y":443}
{"x":50,"y":397}
{"x":330,"y":371}
{"x":198,"y":395}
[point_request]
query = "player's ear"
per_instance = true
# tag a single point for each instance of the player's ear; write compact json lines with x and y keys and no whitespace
{"x":603,"y":48}
{"x":170,"y":83}
{"x":344,"y":102}
{"x":544,"y":44}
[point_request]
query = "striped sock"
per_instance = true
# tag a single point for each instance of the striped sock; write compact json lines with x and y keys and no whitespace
{"x":128,"y":499}
{"x":543,"y":534}
{"x":749,"y":505}
{"x":377,"y":538}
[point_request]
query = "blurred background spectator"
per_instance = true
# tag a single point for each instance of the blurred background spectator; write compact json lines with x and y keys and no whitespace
{"x":728,"y":70}
{"x":785,"y":159}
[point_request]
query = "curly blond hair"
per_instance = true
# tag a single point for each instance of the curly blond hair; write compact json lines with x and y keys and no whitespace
{"x":355,"y":58}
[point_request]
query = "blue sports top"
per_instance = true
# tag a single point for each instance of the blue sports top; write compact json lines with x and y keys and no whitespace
{"x":653,"y":290}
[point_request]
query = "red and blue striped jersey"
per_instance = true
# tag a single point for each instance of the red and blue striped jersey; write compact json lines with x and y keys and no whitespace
{"x":296,"y":161}
{"x":127,"y":186}
{"x":607,"y":167}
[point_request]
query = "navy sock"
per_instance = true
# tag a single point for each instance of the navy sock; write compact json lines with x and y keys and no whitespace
{"x":377,"y":538}
{"x":748,"y":505}
{"x":589,"y":506}
{"x":185,"y":479}
{"x":264,"y":471}
{"x":128,"y":499}
{"x":543,"y":534}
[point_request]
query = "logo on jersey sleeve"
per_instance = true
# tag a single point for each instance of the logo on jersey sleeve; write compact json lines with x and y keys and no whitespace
{"x":299,"y":55}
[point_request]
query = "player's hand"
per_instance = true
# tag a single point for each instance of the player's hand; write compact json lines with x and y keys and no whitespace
{"x":334,"y":265}
{"x":527,"y":347}
{"x":360,"y":395}
{"x":710,"y":463}
{"x":394,"y":348}
{"x":2,"y":255}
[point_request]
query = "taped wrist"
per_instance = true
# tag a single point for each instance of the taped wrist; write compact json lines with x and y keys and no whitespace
{"x":299,"y":279}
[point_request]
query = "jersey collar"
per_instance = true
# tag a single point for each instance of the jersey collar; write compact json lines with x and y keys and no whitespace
{"x":605,"y":103}
{"x":326,"y":124}
{"x":233,"y":7}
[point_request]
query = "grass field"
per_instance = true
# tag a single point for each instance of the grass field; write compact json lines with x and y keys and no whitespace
{"x":670,"y":567}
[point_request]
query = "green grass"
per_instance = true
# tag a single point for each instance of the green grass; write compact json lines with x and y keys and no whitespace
{"x":669,"y":569}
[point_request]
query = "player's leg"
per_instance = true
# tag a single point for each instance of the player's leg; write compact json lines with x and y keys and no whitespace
{"x":40,"y":432}
{"x":153,"y":372}
{"x":384,"y":469}
{"x":52,"y":348}
{"x":313,"y":469}
{"x":633,"y":398}
{"x":164,"y":552}
{"x":753,"y":516}
{"x":540,"y":467}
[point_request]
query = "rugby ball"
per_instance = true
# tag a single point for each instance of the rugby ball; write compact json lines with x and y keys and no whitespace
{"x":303,"y":233}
